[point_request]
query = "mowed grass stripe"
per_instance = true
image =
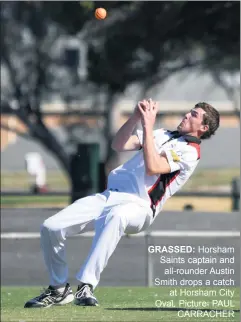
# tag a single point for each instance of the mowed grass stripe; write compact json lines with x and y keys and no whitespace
{"x":20,"y":180}
{"x":116,"y":304}
{"x":173,"y":204}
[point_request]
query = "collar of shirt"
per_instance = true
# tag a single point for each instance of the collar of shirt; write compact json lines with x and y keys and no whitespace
{"x":187,"y":137}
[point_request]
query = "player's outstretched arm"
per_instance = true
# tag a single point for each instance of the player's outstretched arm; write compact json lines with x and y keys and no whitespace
{"x":154,"y":163}
{"x":124,"y":140}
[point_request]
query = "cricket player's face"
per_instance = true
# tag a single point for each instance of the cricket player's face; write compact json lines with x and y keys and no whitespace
{"x":192,"y":123}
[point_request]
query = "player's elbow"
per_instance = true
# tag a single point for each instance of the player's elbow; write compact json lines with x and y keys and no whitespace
{"x":157,"y":171}
{"x":158,"y":168}
{"x":151,"y":171}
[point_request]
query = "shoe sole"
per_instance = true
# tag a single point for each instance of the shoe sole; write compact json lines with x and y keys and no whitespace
{"x":65,"y":301}
{"x":88,"y":303}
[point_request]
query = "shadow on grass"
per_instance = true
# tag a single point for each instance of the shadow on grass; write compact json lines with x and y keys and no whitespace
{"x":167,"y":309}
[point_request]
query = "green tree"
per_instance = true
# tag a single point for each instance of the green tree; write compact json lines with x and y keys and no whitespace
{"x":139,"y":42}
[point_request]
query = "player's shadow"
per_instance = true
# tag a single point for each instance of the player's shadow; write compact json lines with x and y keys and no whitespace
{"x":165,"y":309}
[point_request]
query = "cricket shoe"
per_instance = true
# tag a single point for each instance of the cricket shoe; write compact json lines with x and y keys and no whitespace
{"x":51,"y":297}
{"x":84,"y":296}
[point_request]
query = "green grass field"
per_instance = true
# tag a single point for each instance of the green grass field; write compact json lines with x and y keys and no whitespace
{"x":57,"y":180}
{"x":32,"y":201}
{"x":215,"y":178}
{"x":116,"y":304}
{"x":173,"y":204}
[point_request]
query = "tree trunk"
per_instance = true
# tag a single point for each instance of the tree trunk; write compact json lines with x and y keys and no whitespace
{"x":41,"y":133}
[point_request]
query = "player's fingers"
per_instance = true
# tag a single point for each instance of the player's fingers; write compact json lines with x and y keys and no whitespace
{"x":148,"y":104}
{"x":142,"y":103}
{"x":152,"y":104}
{"x":155,"y":106}
{"x":140,"y":108}
{"x":145,"y":105}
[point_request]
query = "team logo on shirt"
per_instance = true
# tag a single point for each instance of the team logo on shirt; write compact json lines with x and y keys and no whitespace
{"x":176,"y":156}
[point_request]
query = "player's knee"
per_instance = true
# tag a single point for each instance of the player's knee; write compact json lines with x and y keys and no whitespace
{"x":118,"y":218}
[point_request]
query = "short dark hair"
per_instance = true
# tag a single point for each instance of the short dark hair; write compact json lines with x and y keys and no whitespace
{"x":210,"y":118}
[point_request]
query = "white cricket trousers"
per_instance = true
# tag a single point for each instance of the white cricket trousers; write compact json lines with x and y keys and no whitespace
{"x":111,"y":214}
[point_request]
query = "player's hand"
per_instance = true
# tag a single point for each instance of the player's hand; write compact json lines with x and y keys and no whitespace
{"x":143,"y":104}
{"x":148,"y":110}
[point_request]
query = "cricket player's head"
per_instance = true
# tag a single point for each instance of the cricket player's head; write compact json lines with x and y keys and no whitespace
{"x":202,"y":121}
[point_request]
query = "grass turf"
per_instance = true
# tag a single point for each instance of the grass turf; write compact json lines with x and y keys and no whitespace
{"x":116,"y":304}
{"x":173,"y":204}
{"x":41,"y":201}
{"x":56,"y":180}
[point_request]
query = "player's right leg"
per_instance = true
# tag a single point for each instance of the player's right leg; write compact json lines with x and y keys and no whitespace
{"x":114,"y":222}
{"x":72,"y":220}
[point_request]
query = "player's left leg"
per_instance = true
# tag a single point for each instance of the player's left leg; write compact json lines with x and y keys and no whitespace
{"x":75,"y":218}
{"x":114,"y":222}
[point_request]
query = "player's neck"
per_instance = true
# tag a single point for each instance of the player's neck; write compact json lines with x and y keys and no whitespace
{"x":194,"y":134}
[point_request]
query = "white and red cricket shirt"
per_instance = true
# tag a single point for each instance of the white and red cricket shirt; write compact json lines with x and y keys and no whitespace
{"x":183,"y":154}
